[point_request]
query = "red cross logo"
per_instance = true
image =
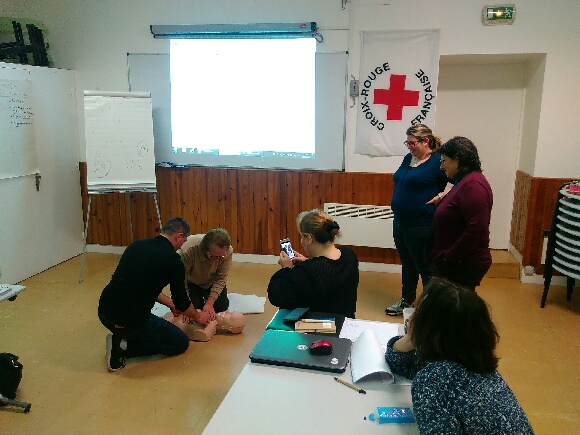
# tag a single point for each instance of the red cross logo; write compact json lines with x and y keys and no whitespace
{"x":396,"y":97}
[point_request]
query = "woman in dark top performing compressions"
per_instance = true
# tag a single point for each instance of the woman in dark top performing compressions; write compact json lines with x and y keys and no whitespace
{"x":326,"y":279}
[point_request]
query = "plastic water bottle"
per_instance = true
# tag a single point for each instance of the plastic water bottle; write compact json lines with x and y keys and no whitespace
{"x":391,"y":415}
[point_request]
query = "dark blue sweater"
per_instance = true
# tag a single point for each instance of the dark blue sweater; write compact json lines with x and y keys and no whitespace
{"x":449,"y":399}
{"x":413,"y":188}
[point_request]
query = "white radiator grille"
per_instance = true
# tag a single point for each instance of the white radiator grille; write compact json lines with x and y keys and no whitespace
{"x":363,"y":225}
{"x":359,"y":211}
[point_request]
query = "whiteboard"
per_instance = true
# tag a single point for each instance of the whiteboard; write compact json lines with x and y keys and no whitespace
{"x":17,"y":140}
{"x":119,"y":141}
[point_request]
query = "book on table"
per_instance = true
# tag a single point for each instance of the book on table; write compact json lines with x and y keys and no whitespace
{"x":320,"y":326}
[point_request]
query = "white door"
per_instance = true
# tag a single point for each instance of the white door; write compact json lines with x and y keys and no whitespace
{"x":484,"y":103}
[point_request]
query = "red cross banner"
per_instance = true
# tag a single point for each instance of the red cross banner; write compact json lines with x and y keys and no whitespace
{"x":398,"y":88}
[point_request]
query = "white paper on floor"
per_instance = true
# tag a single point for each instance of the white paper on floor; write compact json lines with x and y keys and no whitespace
{"x":247,"y":304}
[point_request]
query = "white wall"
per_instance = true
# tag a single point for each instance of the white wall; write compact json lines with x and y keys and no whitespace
{"x":538,"y":111}
{"x":540,"y":27}
{"x":93,"y":38}
{"x":39,"y":229}
{"x":484,"y":103}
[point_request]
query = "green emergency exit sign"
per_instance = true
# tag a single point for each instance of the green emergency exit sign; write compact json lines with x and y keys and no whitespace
{"x":499,"y":14}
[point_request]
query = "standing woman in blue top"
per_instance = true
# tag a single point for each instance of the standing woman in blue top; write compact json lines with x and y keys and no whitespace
{"x":419,"y":182}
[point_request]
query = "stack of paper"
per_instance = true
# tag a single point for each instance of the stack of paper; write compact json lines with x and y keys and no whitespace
{"x":324,"y":326}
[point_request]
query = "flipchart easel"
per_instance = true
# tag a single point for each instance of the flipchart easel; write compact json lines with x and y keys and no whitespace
{"x":119,"y":148}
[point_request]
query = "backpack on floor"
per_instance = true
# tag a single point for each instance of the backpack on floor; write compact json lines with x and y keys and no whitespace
{"x":10,"y":374}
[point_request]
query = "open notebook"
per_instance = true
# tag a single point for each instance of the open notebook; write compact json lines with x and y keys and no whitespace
{"x":367,"y":360}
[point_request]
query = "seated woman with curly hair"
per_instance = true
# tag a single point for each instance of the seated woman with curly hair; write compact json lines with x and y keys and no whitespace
{"x":449,"y":353}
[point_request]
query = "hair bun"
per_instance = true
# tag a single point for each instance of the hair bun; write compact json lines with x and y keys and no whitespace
{"x":334,"y":226}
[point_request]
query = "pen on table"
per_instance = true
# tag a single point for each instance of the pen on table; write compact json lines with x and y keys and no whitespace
{"x":321,"y":320}
{"x":354,"y":387}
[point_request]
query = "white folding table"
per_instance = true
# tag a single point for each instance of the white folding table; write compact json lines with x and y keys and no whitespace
{"x":281,"y":400}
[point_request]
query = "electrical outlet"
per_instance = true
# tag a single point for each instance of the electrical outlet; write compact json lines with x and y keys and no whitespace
{"x":354,"y":88}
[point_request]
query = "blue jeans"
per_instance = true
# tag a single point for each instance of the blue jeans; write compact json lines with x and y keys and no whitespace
{"x":414,"y":247}
{"x":156,"y":336}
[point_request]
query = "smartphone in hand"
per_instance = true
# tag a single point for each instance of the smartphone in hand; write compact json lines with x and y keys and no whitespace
{"x":287,"y":247}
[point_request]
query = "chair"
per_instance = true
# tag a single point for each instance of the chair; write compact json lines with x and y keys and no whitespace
{"x":563,"y":250}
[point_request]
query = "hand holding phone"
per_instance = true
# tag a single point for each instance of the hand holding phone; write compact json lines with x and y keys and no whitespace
{"x":287,"y":247}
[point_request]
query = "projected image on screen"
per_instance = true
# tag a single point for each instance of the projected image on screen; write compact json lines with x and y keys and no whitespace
{"x":243,"y":97}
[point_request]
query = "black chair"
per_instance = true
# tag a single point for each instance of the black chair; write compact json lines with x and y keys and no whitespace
{"x":18,"y":48}
{"x":553,"y":260}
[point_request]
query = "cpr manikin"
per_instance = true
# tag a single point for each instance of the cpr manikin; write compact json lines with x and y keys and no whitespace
{"x":226,"y":321}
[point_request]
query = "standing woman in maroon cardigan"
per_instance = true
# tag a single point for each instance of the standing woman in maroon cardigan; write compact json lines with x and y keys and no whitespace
{"x":461,"y":221}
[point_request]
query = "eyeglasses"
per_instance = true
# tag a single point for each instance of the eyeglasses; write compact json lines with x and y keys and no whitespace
{"x":442,"y":160}
{"x":412,"y":142}
{"x":214,"y":257}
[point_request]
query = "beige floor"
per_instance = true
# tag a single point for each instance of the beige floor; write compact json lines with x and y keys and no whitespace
{"x":54,"y":329}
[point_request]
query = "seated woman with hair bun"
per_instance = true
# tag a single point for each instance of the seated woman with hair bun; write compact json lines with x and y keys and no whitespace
{"x":326,"y":279}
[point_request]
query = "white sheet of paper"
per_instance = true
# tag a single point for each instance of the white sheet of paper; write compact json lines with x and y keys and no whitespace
{"x":352,"y":328}
{"x":247,"y":304}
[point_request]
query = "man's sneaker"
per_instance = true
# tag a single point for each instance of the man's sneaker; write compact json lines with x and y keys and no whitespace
{"x":397,"y":308}
{"x":115,"y":354}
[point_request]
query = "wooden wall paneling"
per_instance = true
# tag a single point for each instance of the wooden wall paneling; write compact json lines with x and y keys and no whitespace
{"x":222,"y":198}
{"x":258,"y":207}
{"x":292,"y":206}
{"x":181,"y":196}
{"x":342,"y":196}
{"x":101,"y":221}
{"x":253,"y":225}
{"x":95,"y":225}
{"x":328,"y":186}
{"x":215,"y":198}
{"x":241,"y":199}
{"x":256,"y":227}
{"x":196,"y":182}
{"x":310,"y":190}
{"x":163,"y":176}
{"x":174,"y":195}
{"x":520,"y":210}
{"x":306,"y":191}
{"x":210,"y":209}
{"x":112,"y":214}
{"x":347,"y":194}
{"x":372,"y":188}
{"x":262,"y":209}
{"x":273,"y":213}
{"x":144,"y":215}
{"x":136,"y":216}
{"x":231,"y":222}
{"x":123,"y":220}
{"x":153,"y":221}
{"x":246,"y":216}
